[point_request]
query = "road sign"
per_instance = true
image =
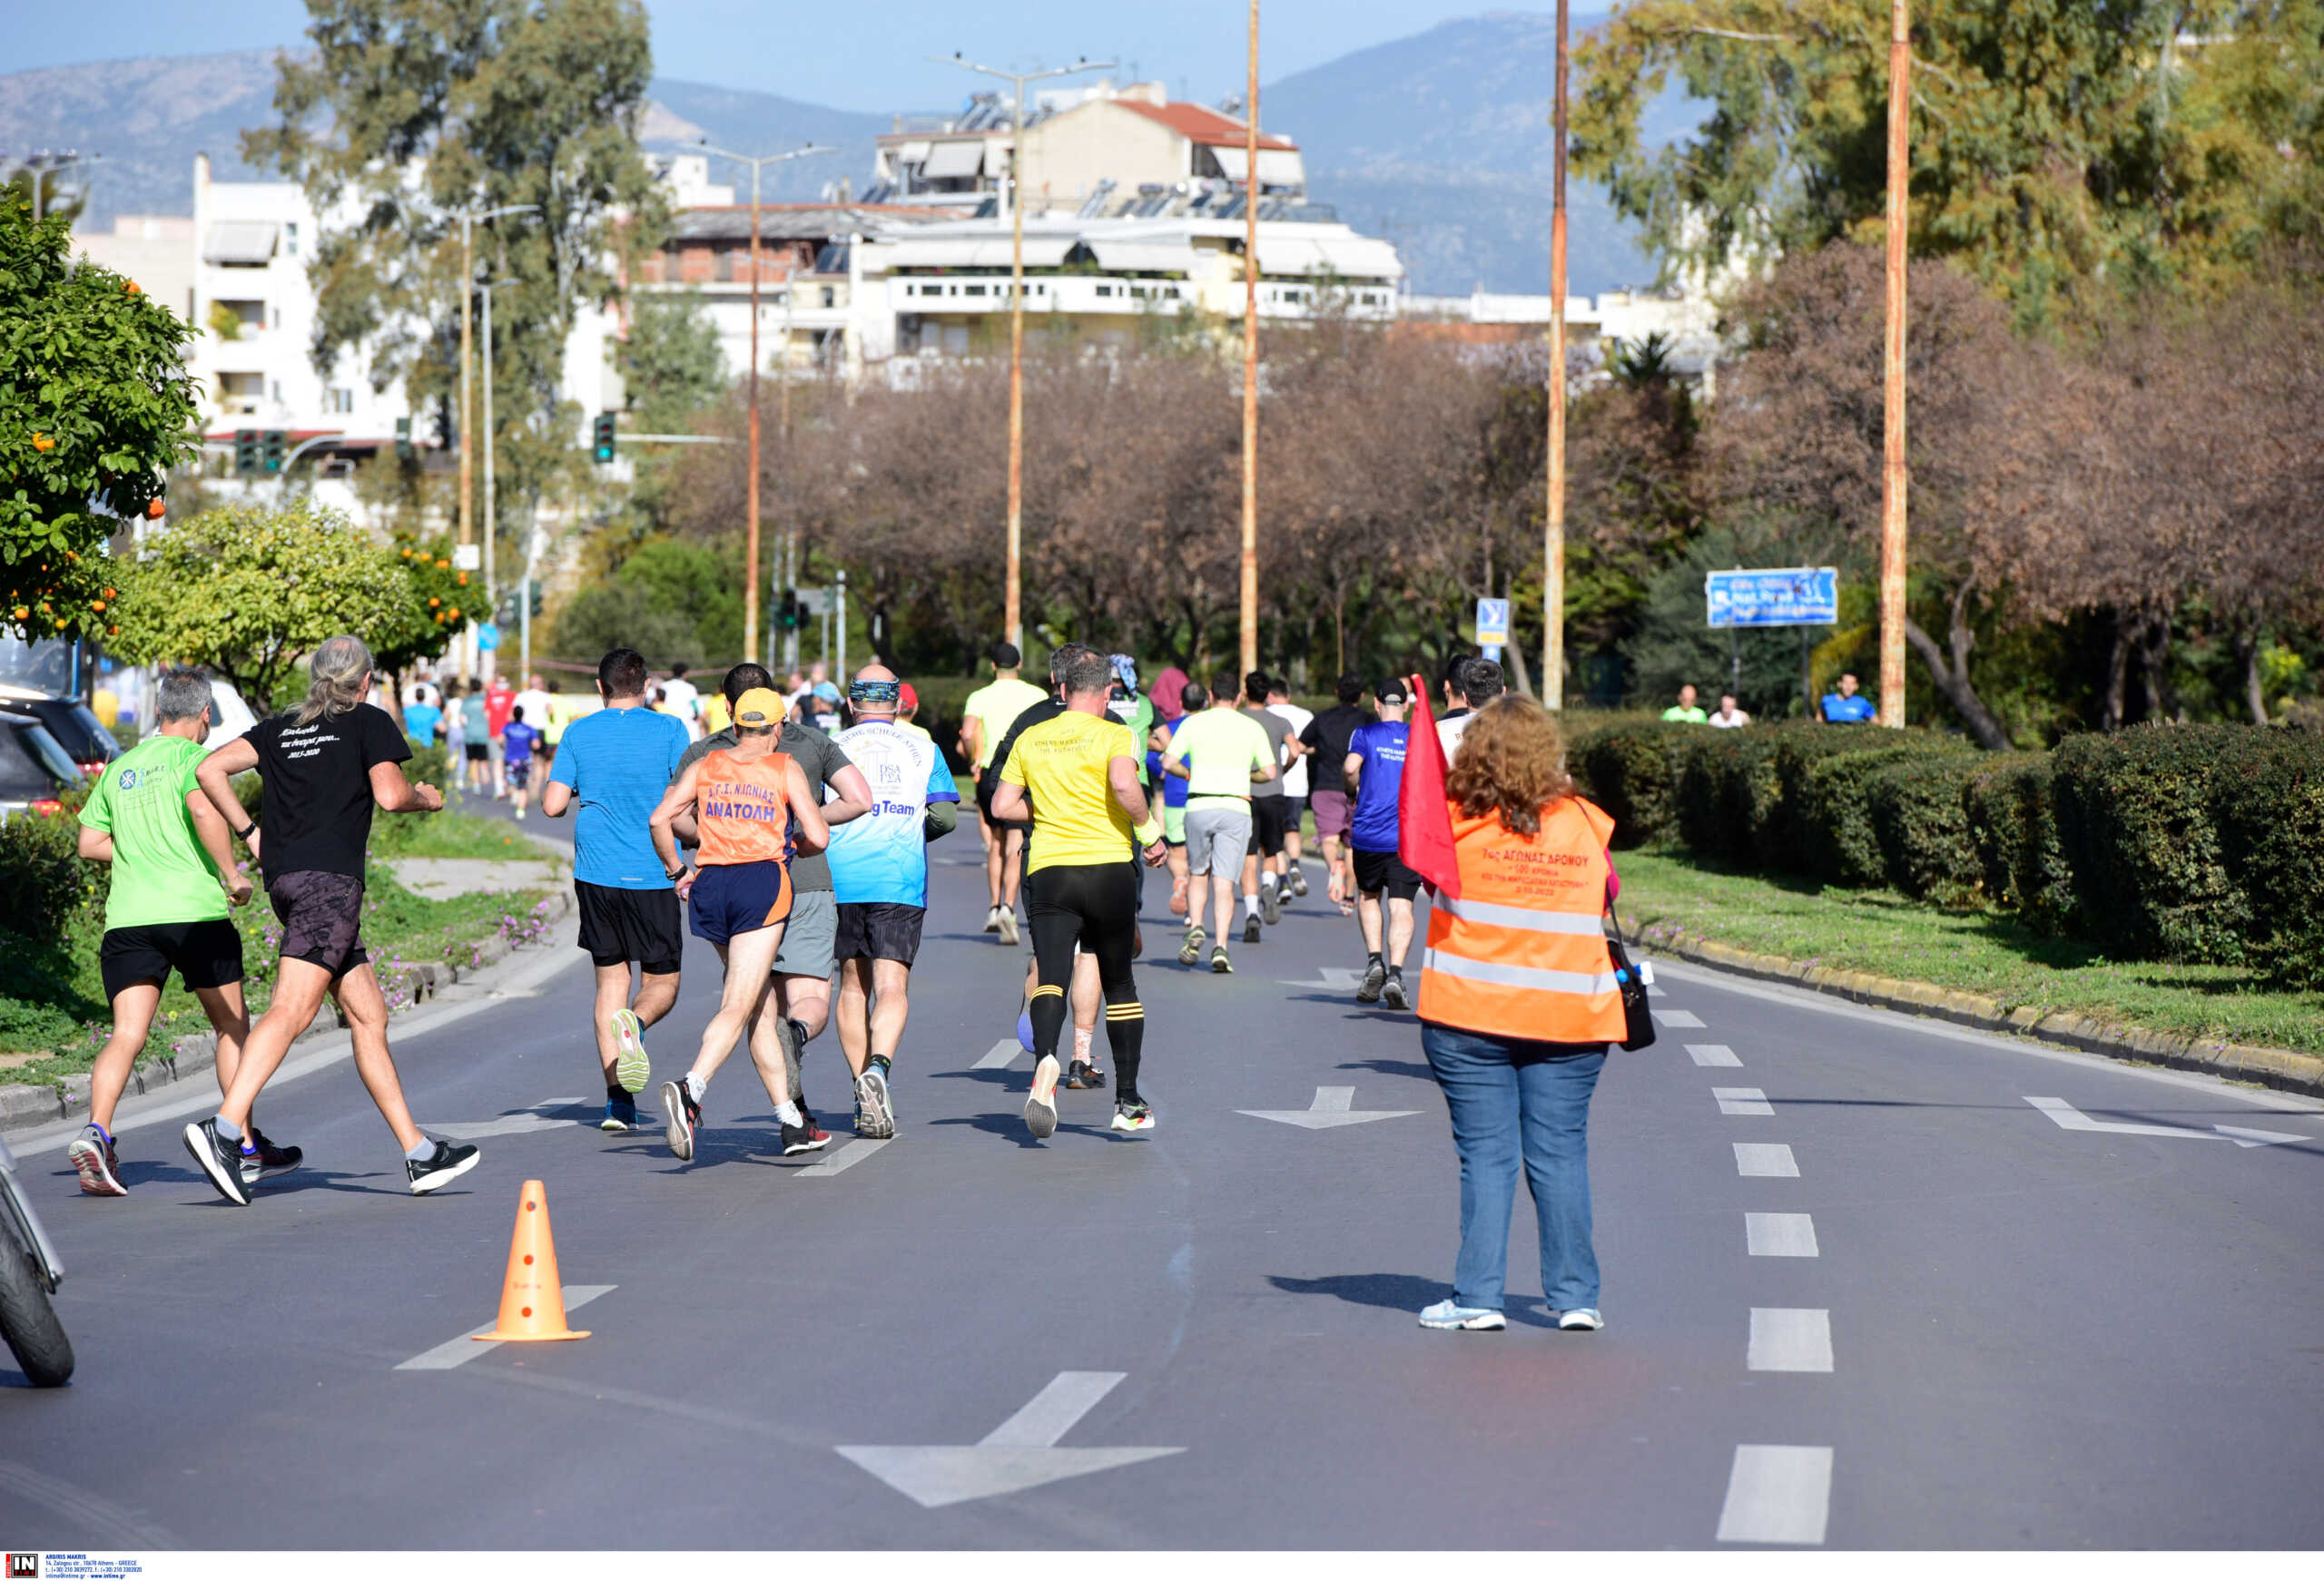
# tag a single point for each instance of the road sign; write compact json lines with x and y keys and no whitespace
{"x":1492,"y":622}
{"x":467,"y":557}
{"x":487,"y":636}
{"x":1795,"y":595}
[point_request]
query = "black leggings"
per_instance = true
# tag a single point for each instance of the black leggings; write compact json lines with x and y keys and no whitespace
{"x":1096,"y":907}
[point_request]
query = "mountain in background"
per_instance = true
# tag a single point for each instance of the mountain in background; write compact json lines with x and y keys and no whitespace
{"x":1438,"y":142}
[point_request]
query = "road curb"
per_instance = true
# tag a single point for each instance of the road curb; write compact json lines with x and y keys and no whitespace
{"x":2282,"y":1068}
{"x":24,"y":1106}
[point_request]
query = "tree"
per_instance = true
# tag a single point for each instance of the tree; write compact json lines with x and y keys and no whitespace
{"x":670,"y":363}
{"x":2057,"y":144}
{"x":251,"y":591}
{"x":96,"y":407}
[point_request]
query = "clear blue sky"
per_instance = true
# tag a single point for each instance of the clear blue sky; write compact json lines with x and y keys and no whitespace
{"x":856,"y":56}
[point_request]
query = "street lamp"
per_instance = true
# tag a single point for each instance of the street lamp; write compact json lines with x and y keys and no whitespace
{"x":1013,"y":612}
{"x":1250,"y":576}
{"x":42,"y":162}
{"x":1553,"y":519}
{"x":491,"y":592}
{"x":469,"y":217}
{"x":758,"y":164}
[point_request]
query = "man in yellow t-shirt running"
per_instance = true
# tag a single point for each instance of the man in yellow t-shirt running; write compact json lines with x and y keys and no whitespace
{"x":1078,"y":773}
{"x":985,"y":719}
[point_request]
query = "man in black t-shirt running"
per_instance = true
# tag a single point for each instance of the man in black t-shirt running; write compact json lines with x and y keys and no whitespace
{"x":326,"y":766}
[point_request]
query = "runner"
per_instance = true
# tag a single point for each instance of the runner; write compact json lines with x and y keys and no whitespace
{"x":476,"y":738}
{"x":615,"y":765}
{"x":1169,"y":710}
{"x":878,"y":865}
{"x":1220,"y":753}
{"x":1262,"y":869}
{"x":173,"y":879}
{"x":906,"y":707}
{"x":499,"y":700}
{"x":1326,"y":739}
{"x":1480,"y":682}
{"x":325,"y":767}
{"x":1376,"y":767}
{"x":985,"y":718}
{"x":1295,"y":778}
{"x":535,"y":700}
{"x":1078,"y":771}
{"x":518,"y":743}
{"x":684,"y":699}
{"x":753,"y":810}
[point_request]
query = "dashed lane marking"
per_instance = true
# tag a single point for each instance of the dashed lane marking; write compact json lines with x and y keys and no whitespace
{"x":1678,"y":1019}
{"x":847,"y":1157}
{"x":1713,"y":1056}
{"x":467,"y":1348}
{"x":998,"y":1056}
{"x":1777,"y":1493}
{"x":1747,"y":1101}
{"x":1780,"y":1235}
{"x":1790,"y":1340}
{"x":1766,"y":1161}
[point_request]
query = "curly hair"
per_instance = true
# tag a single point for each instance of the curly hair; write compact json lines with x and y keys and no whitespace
{"x":1512,"y":760}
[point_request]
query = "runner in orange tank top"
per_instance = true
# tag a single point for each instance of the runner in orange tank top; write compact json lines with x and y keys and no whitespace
{"x":753,"y":807}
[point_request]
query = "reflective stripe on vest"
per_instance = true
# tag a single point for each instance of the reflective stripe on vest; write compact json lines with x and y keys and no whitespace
{"x":1509,"y":976}
{"x":1531,"y":921}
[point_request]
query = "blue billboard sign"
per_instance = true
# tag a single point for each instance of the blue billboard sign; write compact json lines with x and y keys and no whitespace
{"x":1797,"y":595}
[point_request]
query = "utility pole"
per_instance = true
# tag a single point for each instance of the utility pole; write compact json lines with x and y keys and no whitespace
{"x":1012,"y":614}
{"x":491,"y":599}
{"x":750,"y":529}
{"x":1892,"y":477}
{"x":469,"y":217}
{"x":1553,"y":523}
{"x":1250,"y":567}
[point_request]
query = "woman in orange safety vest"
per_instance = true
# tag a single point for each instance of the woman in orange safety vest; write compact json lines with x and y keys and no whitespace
{"x":1517,"y":1003}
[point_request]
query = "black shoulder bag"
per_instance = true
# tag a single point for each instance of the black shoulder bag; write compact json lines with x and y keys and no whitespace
{"x":1638,"y":1021}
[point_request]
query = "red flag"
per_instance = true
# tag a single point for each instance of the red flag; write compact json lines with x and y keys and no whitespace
{"x":1423,"y":817}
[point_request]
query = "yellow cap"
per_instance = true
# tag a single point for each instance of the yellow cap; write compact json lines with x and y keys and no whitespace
{"x":758,"y":708}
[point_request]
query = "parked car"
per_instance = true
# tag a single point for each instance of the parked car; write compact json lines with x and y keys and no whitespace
{"x":77,"y":730}
{"x":36,"y":770}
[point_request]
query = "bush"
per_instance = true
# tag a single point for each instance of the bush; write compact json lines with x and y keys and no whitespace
{"x":2012,"y":819}
{"x":1782,"y":836}
{"x":1726,"y":792}
{"x":42,"y":873}
{"x":1921,"y":820}
{"x":1632,"y":772}
{"x":1834,"y":809}
{"x":2135,"y":822}
{"x":2269,"y":816}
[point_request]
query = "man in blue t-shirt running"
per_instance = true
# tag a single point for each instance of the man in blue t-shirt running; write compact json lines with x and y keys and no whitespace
{"x":615,"y":765}
{"x":1845,"y":707}
{"x":1375,"y":768}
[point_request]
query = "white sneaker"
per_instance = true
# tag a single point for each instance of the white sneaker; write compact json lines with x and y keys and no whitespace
{"x":1007,"y":927}
{"x":1582,"y":1318}
{"x":1450,"y":1314}
{"x":992,"y":921}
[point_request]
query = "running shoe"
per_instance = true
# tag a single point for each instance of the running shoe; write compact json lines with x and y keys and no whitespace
{"x":1392,"y":992}
{"x":1009,"y":927}
{"x":684,"y":1118}
{"x":221,"y":1160}
{"x":93,"y":1155}
{"x":805,"y":1139}
{"x":621,"y":1114}
{"x":1271,"y":903}
{"x":1298,"y":880}
{"x":1449,"y":1314}
{"x":1132,"y":1117}
{"x":1375,"y":977}
{"x":262,"y":1160}
{"x":1219,"y":963}
{"x":1582,"y":1318}
{"x":875,"y":1115}
{"x":1177,"y":896}
{"x":1251,"y":929}
{"x":632,"y":1069}
{"x":450,"y":1161}
{"x":1041,"y":1108}
{"x":1191,"y":947}
{"x":1080,"y":1076}
{"x":992,"y":921}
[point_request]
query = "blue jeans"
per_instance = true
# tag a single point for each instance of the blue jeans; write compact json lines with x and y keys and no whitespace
{"x":1510,"y":1096}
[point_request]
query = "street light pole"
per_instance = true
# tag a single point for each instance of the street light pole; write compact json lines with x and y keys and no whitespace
{"x":1553,"y":524}
{"x":1250,"y":568}
{"x":758,"y":164}
{"x":1013,"y":599}
{"x":468,"y":290}
{"x":491,"y":599}
{"x":1893,"y":476}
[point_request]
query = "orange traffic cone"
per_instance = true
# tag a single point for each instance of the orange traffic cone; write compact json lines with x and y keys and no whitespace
{"x":532,"y":1300}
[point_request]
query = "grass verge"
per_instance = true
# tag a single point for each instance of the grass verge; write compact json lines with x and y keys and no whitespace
{"x":1977,"y":952}
{"x":450,"y":833}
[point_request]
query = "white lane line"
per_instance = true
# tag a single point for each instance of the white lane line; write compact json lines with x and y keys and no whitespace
{"x":1790,"y":1340}
{"x":1713,"y":1055}
{"x":1020,"y":1454}
{"x":2068,"y":1118}
{"x":1743,"y":1101}
{"x":1657,"y":991}
{"x":467,"y":1348}
{"x":998,"y":1056}
{"x":1777,"y":1493}
{"x":1678,"y":1018}
{"x":1050,"y":1415}
{"x":538,"y":1116}
{"x":1766,"y":1161}
{"x":1780,"y":1235}
{"x":847,"y":1157}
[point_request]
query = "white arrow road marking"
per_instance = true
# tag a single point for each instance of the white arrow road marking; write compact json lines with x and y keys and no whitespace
{"x":1780,"y":1235}
{"x":847,"y":1157}
{"x":452,"y":1353}
{"x":1790,"y":1340}
{"x":1713,"y":1054}
{"x":998,"y":1056}
{"x":1347,"y":979}
{"x":1018,"y":1454}
{"x":1333,"y":1106}
{"x":1743,"y":1101}
{"x":1678,"y":1018}
{"x":515,"y":1122}
{"x":1777,"y":1493}
{"x":2069,"y":1118}
{"x":1766,"y":1161}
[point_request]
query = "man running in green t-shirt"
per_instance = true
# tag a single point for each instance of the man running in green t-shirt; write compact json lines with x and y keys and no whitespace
{"x":174,"y":877}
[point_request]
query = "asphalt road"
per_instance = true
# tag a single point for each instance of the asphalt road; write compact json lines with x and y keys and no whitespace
{"x":2014,"y":1329}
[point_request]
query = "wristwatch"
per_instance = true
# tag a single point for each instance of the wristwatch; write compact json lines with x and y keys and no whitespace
{"x":677,"y":873}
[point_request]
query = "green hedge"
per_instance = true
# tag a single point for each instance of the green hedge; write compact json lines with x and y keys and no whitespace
{"x":1920,"y":818}
{"x":2134,"y":819}
{"x":2270,"y":818}
{"x":1632,"y":772}
{"x":2012,"y":818}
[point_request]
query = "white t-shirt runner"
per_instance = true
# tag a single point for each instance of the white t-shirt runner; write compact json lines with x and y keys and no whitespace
{"x":1294,"y":776}
{"x":882,"y":856}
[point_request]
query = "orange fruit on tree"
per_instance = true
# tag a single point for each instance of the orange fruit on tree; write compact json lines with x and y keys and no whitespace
{"x":153,"y":509}
{"x":42,"y":442}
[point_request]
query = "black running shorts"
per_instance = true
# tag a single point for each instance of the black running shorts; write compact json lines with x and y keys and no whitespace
{"x":620,"y":925}
{"x":987,"y":784}
{"x":1267,"y":824}
{"x":1379,"y":871}
{"x":322,"y":919}
{"x":880,"y":930}
{"x":204,"y":954}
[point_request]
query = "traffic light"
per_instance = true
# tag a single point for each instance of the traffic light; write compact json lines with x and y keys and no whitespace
{"x":504,"y":612}
{"x":601,"y":438}
{"x":245,"y":451}
{"x":404,"y":451}
{"x":270,"y":457}
{"x":536,"y":601}
{"x":790,"y":614}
